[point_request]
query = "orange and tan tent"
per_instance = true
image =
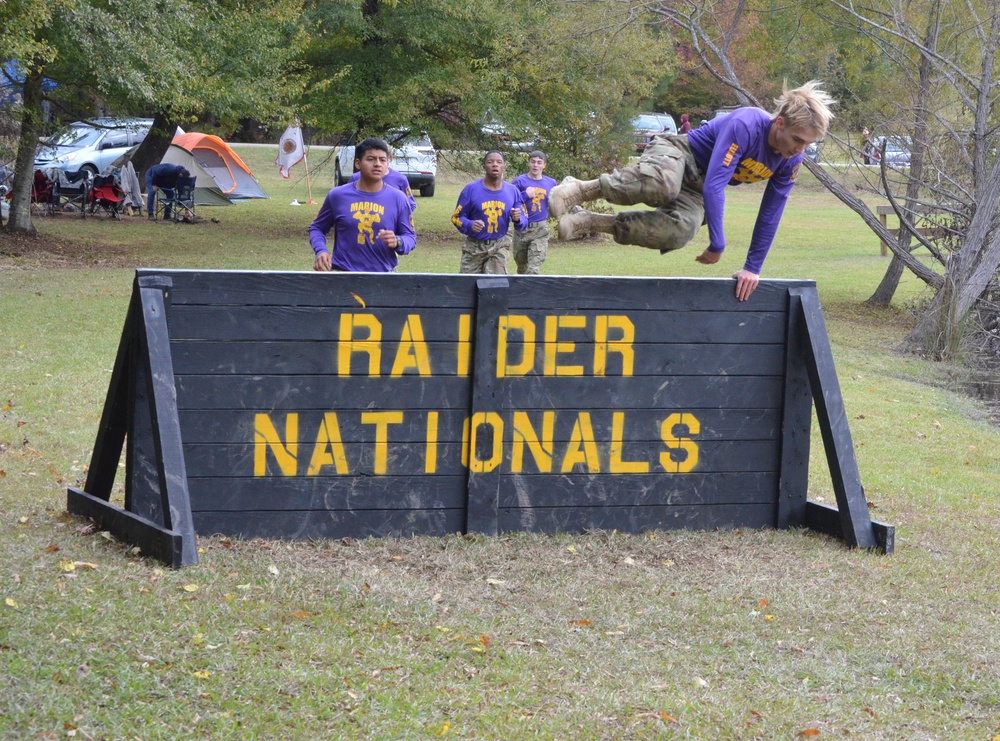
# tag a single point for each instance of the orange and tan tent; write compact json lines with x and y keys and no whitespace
{"x":217,"y":158}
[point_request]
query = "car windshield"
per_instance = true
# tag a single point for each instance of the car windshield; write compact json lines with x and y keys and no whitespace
{"x":79,"y":137}
{"x":649,"y":122}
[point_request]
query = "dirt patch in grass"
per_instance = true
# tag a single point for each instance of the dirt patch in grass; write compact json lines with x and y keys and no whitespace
{"x":27,"y":252}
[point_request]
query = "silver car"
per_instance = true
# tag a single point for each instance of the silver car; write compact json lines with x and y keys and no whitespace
{"x":91,"y":145}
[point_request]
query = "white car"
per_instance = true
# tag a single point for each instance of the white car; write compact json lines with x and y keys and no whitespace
{"x":413,"y":155}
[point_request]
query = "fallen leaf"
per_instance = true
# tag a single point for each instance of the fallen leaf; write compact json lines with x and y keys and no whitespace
{"x":444,"y":729}
{"x":763,"y":603}
{"x":571,"y":549}
{"x":437,"y":597}
{"x":273,"y":569}
{"x":809,"y":733}
{"x":301,"y":614}
{"x":67,"y":566}
{"x":581,"y":623}
{"x":667,"y":718}
{"x":52,"y":548}
{"x":486,"y":640}
{"x":870,"y":712}
{"x":495,"y":582}
{"x":84,"y":565}
{"x":11,"y":602}
{"x":203,"y":674}
{"x":190,"y":587}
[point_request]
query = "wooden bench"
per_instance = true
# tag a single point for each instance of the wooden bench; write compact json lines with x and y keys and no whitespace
{"x":923,"y":213}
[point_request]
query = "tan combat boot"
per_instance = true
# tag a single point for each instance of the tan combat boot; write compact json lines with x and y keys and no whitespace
{"x":578,"y":223}
{"x":571,"y":192}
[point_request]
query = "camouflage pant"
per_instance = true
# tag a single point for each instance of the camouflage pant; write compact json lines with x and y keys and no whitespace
{"x":486,"y":256}
{"x":667,"y":178}
{"x":530,"y":248}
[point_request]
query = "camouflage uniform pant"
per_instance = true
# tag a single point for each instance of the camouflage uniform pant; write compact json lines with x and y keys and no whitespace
{"x":530,"y":248}
{"x":486,"y":256}
{"x":666,"y":178}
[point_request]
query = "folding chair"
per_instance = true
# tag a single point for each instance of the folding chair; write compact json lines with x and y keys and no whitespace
{"x":176,"y":204}
{"x":107,"y":196}
{"x":71,"y":191}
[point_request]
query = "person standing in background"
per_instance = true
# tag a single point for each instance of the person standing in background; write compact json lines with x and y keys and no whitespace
{"x":532,"y":245}
{"x":483,"y":214}
{"x":685,"y":124}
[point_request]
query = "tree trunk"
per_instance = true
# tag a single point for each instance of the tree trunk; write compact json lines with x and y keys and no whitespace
{"x":890,"y":281}
{"x":155,"y":145}
{"x":24,"y":167}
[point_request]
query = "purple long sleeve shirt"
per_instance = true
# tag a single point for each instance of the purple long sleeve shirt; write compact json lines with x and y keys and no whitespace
{"x":492,"y":207}
{"x":733,"y":150}
{"x":355,"y":218}
{"x":538,"y":204}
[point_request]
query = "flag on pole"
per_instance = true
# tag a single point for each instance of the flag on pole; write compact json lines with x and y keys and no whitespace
{"x":290,"y":150}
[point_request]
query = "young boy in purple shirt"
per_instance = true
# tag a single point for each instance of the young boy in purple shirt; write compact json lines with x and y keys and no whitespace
{"x":483,"y":214}
{"x":684,"y":179}
{"x":370,"y":219}
{"x":532,"y":245}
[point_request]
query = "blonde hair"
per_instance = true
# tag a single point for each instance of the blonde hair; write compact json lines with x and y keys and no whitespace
{"x":806,"y":106}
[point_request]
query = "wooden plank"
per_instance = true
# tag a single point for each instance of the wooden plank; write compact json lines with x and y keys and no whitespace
{"x":825,"y":519}
{"x":281,"y":357}
{"x":320,"y":324}
{"x":635,"y":519}
{"x":851,"y":503}
{"x":154,"y":541}
{"x":366,"y":290}
{"x":154,"y":343}
{"x":316,"y":525}
{"x":316,"y":392}
{"x":796,"y":424}
{"x":278,"y":494}
{"x":484,"y":481}
{"x":238,"y":425}
{"x":411,"y":459}
{"x":355,"y":291}
{"x":636,"y":490}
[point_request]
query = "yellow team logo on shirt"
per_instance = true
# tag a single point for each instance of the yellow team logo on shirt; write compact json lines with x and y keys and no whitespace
{"x":537,"y":197}
{"x":493,"y":211}
{"x":751,"y":171}
{"x":367,"y":213}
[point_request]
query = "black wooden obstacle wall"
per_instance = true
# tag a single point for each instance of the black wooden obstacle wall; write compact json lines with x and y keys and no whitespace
{"x":346,"y":405}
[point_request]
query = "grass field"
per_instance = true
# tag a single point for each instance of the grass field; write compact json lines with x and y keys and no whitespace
{"x":743,"y":635}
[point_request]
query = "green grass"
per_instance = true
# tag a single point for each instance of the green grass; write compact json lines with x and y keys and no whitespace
{"x":746,"y":634}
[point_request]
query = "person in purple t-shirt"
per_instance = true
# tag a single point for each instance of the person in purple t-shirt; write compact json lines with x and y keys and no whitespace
{"x":483,"y":214}
{"x":532,"y":245}
{"x":684,"y":178}
{"x":370,"y":219}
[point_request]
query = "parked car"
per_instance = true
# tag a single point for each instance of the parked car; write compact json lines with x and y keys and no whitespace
{"x":91,"y":145}
{"x":413,"y":155}
{"x":505,"y":138}
{"x":897,"y":150}
{"x":647,"y":125}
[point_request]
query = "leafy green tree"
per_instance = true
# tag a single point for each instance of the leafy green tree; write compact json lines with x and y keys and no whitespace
{"x":181,"y":60}
{"x":556,"y":70}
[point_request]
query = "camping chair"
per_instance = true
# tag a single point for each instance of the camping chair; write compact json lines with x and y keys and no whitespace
{"x":107,"y":196}
{"x":71,"y":191}
{"x":41,"y":194}
{"x":176,"y":203}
